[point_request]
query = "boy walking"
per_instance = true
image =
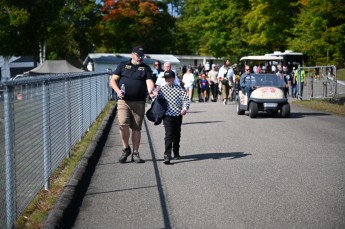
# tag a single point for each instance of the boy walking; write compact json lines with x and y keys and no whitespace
{"x":177,"y":105}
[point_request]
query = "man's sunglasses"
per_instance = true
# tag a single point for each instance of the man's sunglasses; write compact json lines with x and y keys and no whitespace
{"x":140,"y":56}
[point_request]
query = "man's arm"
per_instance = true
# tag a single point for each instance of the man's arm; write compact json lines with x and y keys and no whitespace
{"x":113,"y":84}
{"x":242,"y":83}
{"x":150,"y":86}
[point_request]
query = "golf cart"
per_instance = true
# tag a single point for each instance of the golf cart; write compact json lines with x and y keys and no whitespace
{"x":267,"y":94}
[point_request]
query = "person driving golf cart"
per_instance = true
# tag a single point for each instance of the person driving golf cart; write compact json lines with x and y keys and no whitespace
{"x":247,"y":82}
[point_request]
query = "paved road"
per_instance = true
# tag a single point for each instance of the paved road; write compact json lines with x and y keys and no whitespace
{"x":235,"y":172}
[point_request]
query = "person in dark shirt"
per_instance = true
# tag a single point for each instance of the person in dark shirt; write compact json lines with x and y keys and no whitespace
{"x":132,"y":81}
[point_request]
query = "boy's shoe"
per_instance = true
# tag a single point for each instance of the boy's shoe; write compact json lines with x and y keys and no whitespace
{"x":125,"y":154}
{"x":136,"y":158}
{"x":167,"y":159}
{"x":176,"y":157}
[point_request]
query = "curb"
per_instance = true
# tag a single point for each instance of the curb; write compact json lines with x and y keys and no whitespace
{"x":66,"y":209}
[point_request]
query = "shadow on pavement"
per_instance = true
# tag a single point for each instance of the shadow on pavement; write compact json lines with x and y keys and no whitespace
{"x":306,"y":114}
{"x":205,"y":122}
{"x":119,"y":190}
{"x":207,"y":156}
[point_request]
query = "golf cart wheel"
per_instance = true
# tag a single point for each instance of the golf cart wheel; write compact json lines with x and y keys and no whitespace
{"x":238,"y":109}
{"x":286,"y":110}
{"x":253,"y":110}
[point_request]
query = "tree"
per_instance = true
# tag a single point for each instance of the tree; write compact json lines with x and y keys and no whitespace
{"x":25,"y":25}
{"x":214,"y":27}
{"x":319,"y":31}
{"x":268,"y":23}
{"x":13,"y":21}
{"x":76,"y":32}
{"x":131,"y":22}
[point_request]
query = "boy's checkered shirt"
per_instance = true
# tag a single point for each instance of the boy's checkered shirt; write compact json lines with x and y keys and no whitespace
{"x":176,"y":99}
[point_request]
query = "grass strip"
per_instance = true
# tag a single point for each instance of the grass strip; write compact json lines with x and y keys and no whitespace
{"x":322,"y":105}
{"x":35,"y":214}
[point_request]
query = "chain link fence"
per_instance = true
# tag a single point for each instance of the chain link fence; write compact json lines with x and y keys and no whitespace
{"x":41,"y":118}
{"x":319,"y":82}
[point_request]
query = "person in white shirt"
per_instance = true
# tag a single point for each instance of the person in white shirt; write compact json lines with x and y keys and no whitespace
{"x":188,"y":82}
{"x":161,"y":81}
{"x":212,"y":77}
{"x":207,"y":67}
{"x":225,"y":76}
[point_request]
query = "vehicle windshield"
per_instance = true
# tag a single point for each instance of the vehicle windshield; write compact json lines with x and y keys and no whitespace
{"x":268,"y":80}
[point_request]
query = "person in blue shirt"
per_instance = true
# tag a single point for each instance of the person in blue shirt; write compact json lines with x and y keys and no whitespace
{"x":204,"y":87}
{"x":247,"y":82}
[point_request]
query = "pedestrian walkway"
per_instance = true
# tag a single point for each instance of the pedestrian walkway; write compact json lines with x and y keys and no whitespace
{"x":235,"y":172}
{"x":134,"y":195}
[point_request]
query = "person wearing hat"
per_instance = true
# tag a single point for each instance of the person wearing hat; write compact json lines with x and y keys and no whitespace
{"x":177,"y":105}
{"x":212,"y":77}
{"x":132,"y":81}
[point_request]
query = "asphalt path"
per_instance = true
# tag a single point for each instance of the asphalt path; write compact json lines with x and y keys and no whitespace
{"x":235,"y":172}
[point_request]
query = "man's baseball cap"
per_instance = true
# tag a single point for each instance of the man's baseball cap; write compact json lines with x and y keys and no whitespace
{"x":168,"y":74}
{"x":139,"y":50}
{"x":213,"y":65}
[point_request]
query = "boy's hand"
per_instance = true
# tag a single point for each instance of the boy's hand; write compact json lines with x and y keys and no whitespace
{"x":183,"y":111}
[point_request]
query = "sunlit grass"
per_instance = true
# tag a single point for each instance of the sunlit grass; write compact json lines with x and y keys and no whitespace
{"x":322,"y":105}
{"x":341,"y":74}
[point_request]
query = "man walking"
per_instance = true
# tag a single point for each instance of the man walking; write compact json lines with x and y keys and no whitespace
{"x":135,"y":80}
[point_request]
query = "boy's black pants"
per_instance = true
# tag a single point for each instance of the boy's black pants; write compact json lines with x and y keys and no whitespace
{"x":172,"y":125}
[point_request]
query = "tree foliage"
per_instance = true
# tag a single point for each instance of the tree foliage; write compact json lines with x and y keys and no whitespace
{"x":230,"y":29}
{"x":319,"y":31}
{"x":24,"y":24}
{"x":128,"y":23}
{"x":76,"y":32}
{"x":268,"y":23}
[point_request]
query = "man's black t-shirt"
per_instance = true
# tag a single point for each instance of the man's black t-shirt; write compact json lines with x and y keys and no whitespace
{"x":134,"y":78}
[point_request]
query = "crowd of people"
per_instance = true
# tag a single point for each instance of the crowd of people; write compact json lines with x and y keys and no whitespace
{"x":211,"y":82}
{"x":214,"y":82}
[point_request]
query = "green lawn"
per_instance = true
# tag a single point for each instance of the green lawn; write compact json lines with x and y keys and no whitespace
{"x":341,"y":74}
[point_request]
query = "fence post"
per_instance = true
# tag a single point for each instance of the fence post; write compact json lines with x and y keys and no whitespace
{"x":312,"y":84}
{"x":335,"y":80}
{"x":9,"y":157}
{"x":46,"y":135}
{"x":68,"y":116}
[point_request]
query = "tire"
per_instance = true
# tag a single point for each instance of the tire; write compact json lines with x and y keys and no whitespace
{"x":238,"y":110}
{"x":285,"y":110}
{"x":253,"y":110}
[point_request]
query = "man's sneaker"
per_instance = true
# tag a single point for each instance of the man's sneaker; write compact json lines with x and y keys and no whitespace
{"x":125,"y":154}
{"x":136,"y":158}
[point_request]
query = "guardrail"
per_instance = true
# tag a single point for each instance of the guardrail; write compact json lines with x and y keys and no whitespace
{"x":41,"y":118}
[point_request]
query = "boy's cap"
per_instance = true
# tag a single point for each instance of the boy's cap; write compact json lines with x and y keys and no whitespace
{"x":138,"y":49}
{"x":168,"y":74}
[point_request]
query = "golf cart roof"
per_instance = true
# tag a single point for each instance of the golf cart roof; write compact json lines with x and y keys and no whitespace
{"x":262,"y":58}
